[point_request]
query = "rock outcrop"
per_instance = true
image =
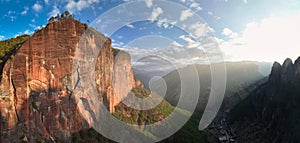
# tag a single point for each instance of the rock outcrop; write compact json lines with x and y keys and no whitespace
{"x":122,"y":74}
{"x":37,"y":100}
{"x":271,"y":112}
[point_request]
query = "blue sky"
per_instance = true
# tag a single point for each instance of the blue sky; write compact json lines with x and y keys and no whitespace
{"x":244,"y":29}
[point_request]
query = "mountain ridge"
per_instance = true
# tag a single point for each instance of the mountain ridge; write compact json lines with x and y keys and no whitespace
{"x":271,"y":112}
{"x":240,"y":76}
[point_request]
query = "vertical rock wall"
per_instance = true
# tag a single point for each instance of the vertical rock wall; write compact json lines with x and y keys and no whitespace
{"x":36,"y":100}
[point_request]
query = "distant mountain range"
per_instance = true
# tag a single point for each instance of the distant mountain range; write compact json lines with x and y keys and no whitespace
{"x":242,"y":78}
{"x":161,"y":68}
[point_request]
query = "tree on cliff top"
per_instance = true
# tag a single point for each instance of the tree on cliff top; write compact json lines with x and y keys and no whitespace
{"x":66,"y":14}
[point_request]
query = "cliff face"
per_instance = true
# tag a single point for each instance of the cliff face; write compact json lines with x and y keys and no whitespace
{"x":123,"y":74}
{"x":271,"y":112}
{"x":37,"y":99}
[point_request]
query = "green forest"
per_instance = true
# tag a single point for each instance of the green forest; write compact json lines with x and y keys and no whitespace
{"x":8,"y":45}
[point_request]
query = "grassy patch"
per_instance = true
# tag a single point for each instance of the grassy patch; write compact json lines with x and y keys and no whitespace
{"x":143,"y":117}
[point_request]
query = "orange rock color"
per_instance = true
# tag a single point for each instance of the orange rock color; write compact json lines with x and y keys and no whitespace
{"x":36,"y":103}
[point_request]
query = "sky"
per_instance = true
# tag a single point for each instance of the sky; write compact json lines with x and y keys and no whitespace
{"x":181,"y":31}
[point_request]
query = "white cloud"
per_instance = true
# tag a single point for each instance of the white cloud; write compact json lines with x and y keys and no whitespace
{"x":190,"y":43}
{"x":176,"y":55}
{"x":166,"y":23}
{"x":183,"y":1}
{"x":28,"y":32}
{"x":175,"y":44}
{"x":54,"y":11}
{"x":155,"y":13}
{"x":33,"y":26}
{"x":192,"y":4}
{"x":74,"y":6}
{"x":130,"y":26}
{"x":180,"y":53}
{"x":11,"y":14}
{"x":1,"y":37}
{"x":209,"y":13}
{"x":142,"y":28}
{"x":46,"y":1}
{"x":229,"y":33}
{"x":196,"y":6}
{"x":200,"y":30}
{"x":226,"y":31}
{"x":37,"y":7}
{"x":12,"y":18}
{"x":245,"y":1}
{"x":185,"y":14}
{"x":117,"y":45}
{"x":269,"y":40}
{"x":120,"y":37}
{"x":25,"y":10}
{"x":149,"y":3}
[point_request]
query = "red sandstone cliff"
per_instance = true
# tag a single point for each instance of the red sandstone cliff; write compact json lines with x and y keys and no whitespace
{"x":36,"y":97}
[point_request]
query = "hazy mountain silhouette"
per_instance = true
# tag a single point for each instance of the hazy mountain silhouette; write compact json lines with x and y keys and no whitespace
{"x":242,"y":78}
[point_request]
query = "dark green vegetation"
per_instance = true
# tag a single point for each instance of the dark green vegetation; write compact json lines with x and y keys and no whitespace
{"x":8,"y":49}
{"x":190,"y":133}
{"x":142,"y":117}
{"x":66,"y":14}
{"x":7,"y":46}
{"x":141,"y":92}
{"x":89,"y":135}
{"x":34,"y":105}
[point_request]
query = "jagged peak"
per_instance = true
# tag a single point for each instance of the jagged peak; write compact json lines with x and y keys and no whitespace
{"x":275,"y":69}
{"x":297,"y":61}
{"x":287,"y":62}
{"x":276,"y":65}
